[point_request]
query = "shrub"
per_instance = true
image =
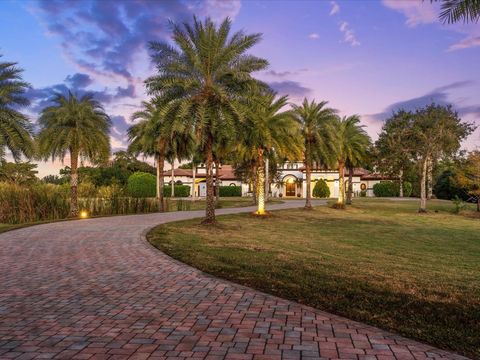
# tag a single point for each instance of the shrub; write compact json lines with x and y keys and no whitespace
{"x":459,"y":205}
{"x":87,"y":189}
{"x":392,"y":189}
{"x":385,"y":189}
{"x":446,"y":187}
{"x":141,"y":185}
{"x":179,"y":191}
{"x":110,"y":191}
{"x":407,"y":189}
{"x":321,"y":190}
{"x":21,"y":204}
{"x":44,"y":202}
{"x":229,"y":191}
{"x":363,"y":193}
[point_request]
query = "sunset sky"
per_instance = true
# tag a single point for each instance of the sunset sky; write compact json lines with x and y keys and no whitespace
{"x":364,"y":57}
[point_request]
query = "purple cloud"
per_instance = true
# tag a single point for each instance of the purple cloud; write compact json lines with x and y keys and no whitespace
{"x":291,"y":88}
{"x":129,"y":91}
{"x":78,"y":80}
{"x":438,"y":96}
{"x":105,"y":37}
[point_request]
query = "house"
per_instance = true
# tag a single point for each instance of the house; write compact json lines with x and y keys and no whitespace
{"x":185,"y":177}
{"x":291,"y":180}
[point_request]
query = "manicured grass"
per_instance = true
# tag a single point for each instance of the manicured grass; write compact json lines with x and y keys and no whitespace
{"x":378,"y":262}
{"x":228,"y":202}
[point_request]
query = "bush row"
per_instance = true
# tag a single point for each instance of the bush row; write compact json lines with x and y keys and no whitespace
{"x":391,"y":189}
{"x":44,"y":202}
{"x":141,"y":185}
{"x":39,"y":202}
{"x":230,"y":191}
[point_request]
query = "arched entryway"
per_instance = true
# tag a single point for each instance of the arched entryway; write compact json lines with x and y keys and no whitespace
{"x":290,"y":186}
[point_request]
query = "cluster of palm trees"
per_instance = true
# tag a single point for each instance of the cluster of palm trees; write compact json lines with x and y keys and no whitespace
{"x":205,"y":105}
{"x":206,"y":102}
{"x":73,"y":126}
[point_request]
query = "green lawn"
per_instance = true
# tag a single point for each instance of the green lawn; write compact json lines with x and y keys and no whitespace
{"x":226,"y":202}
{"x":378,"y":262}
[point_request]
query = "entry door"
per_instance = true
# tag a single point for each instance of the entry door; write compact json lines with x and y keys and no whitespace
{"x":290,"y":189}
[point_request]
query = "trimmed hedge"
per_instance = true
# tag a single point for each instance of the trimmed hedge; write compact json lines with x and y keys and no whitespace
{"x":180,"y":191}
{"x":321,"y":190}
{"x":229,"y":191}
{"x":141,"y":184}
{"x":391,"y":189}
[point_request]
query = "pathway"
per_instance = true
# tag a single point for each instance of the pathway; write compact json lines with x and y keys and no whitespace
{"x":95,"y":289}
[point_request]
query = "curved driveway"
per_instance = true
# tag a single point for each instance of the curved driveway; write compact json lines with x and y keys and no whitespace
{"x":94,"y":289}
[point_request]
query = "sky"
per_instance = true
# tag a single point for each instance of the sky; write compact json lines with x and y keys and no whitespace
{"x":364,"y":57}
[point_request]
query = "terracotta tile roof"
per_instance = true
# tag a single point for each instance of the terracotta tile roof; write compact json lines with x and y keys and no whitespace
{"x":178,"y":172}
{"x":376,"y":176}
{"x":226,"y":172}
{"x":356,"y":171}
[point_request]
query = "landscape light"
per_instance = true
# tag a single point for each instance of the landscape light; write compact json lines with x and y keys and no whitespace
{"x":83,"y":214}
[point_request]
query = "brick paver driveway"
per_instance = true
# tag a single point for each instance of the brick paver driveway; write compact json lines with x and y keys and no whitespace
{"x":94,"y":289}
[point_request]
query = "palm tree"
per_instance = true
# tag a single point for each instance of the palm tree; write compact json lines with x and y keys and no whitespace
{"x":268,"y":129}
{"x":456,"y":10}
{"x":202,"y":79}
{"x":352,"y":146}
{"x":319,"y":136}
{"x":359,"y":160}
{"x":181,"y":146}
{"x":149,"y":137}
{"x":15,"y":128}
{"x":78,"y":126}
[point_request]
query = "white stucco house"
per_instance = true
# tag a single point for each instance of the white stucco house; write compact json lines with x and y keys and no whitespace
{"x":291,"y":181}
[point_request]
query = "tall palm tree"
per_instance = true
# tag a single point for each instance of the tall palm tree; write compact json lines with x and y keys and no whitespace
{"x":78,"y":126}
{"x":202,"y":79}
{"x":352,"y":146}
{"x":456,"y":10}
{"x":319,"y":136}
{"x":267,"y":129}
{"x":15,"y":128}
{"x":150,"y":137}
{"x":154,"y":136}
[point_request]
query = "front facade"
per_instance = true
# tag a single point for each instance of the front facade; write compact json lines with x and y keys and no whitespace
{"x":291,"y":180}
{"x":293,"y":183}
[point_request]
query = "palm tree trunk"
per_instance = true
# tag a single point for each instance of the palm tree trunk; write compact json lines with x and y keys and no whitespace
{"x":73,"y":183}
{"x":194,"y":169}
{"x":423,"y":192}
{"x":217,"y":183}
{"x":260,"y":186}
{"x":173,"y":180}
{"x":341,"y":185}
{"x":254,"y":184}
{"x":210,"y":207}
{"x":350,"y":186}
{"x":308,"y":175}
{"x":400,"y":179}
{"x":161,"y":180}
{"x":267,"y":181}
